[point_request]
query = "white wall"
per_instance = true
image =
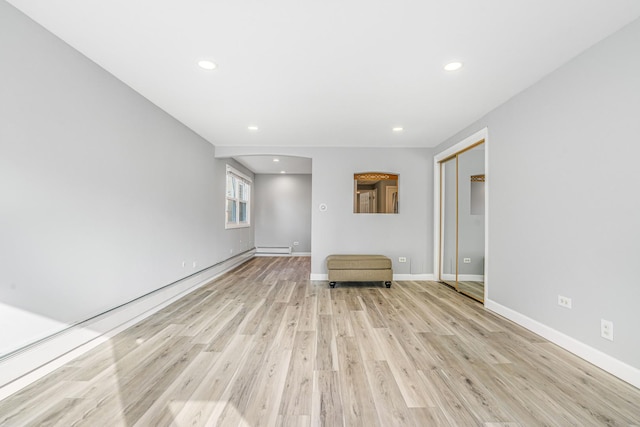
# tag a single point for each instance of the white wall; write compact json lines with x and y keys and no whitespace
{"x":102,"y":194}
{"x":563,"y":202}
{"x":282,"y":206}
{"x":339,"y":230}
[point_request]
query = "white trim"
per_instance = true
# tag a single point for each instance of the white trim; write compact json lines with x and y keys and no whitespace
{"x":236,"y":200}
{"x":468,"y":141}
{"x":614,"y":366}
{"x":238,"y":173}
{"x":415,"y":277}
{"x":464,"y":277}
{"x":239,"y":225}
{"x":487,"y":190}
{"x":33,"y":363}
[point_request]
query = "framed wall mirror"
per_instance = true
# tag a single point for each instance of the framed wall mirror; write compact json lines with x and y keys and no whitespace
{"x":375,"y":192}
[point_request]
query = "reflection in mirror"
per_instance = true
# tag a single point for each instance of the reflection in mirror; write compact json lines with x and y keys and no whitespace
{"x":462,"y":209}
{"x":375,"y":192}
{"x":477,"y":194}
{"x":471,"y":210}
{"x":449,"y":207}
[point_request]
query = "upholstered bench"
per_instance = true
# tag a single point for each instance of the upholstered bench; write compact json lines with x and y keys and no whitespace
{"x":359,"y":268}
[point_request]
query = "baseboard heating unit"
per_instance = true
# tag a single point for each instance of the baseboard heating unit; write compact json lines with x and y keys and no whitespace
{"x":273,"y":250}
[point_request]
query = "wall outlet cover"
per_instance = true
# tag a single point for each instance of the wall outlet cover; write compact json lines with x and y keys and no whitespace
{"x":606,"y":329}
{"x":564,"y":301}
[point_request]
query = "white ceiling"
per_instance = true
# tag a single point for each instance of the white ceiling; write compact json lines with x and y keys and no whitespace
{"x":284,"y":164}
{"x":330,"y":73}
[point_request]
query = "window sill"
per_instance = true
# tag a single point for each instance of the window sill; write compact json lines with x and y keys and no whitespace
{"x":230,"y":226}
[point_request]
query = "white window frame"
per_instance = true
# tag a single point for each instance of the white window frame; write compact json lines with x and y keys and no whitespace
{"x":240,"y":178}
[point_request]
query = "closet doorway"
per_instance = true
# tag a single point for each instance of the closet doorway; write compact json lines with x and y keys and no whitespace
{"x":462,"y":219}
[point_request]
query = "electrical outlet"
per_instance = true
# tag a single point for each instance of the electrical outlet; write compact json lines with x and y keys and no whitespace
{"x":606,"y":329}
{"x":402,"y":259}
{"x":564,"y":301}
{"x":467,"y":260}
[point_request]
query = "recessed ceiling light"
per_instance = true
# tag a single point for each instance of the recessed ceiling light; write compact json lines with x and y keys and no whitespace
{"x":453,"y":66}
{"x":282,"y":172}
{"x":253,"y":128}
{"x":398,"y":129}
{"x":207,"y":65}
{"x":276,"y":160}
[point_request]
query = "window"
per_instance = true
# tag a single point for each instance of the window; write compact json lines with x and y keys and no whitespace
{"x":238,"y":199}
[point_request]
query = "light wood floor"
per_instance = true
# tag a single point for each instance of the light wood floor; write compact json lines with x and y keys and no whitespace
{"x":474,"y":289}
{"x":264,"y":346}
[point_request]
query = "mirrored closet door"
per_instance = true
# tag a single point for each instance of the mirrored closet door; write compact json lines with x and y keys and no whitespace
{"x":462,"y":224}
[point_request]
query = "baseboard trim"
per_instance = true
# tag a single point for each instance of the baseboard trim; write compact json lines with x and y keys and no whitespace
{"x":414,"y":277}
{"x":324,"y":276}
{"x":602,"y":360}
{"x":464,"y":277}
{"x":27,"y":366}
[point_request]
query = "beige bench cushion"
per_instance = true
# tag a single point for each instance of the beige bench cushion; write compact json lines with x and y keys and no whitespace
{"x":358,"y":262}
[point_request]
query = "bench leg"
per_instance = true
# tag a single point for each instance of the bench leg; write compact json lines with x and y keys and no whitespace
{"x":332,"y":284}
{"x":387,"y":284}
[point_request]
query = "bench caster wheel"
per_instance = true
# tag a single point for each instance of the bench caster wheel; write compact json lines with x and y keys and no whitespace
{"x":332,"y":284}
{"x":387,"y":284}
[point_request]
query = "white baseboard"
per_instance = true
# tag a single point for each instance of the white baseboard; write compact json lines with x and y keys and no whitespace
{"x":464,"y":277}
{"x":415,"y":277}
{"x":32,"y":363}
{"x":324,"y":276}
{"x":604,"y":361}
{"x":271,"y":255}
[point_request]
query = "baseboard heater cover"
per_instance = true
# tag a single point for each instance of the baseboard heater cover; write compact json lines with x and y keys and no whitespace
{"x":273,"y":250}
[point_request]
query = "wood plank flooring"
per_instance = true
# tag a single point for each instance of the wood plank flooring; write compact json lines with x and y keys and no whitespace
{"x":264,"y":346}
{"x":473,"y":289}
